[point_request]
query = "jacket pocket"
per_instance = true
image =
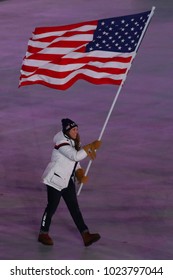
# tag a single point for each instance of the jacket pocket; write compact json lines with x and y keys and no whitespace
{"x":58,"y":180}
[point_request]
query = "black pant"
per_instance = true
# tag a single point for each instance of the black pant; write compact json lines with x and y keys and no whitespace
{"x":70,"y":198}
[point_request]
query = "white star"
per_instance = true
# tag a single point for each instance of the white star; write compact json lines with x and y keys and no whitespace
{"x":103,"y":23}
{"x":123,"y":21}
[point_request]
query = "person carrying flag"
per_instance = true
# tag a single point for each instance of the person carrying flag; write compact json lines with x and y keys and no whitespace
{"x":59,"y":177}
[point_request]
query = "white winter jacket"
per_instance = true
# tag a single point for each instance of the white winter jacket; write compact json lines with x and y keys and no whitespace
{"x":64,"y":156}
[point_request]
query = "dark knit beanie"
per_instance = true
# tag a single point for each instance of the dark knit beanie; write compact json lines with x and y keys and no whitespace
{"x":67,"y":124}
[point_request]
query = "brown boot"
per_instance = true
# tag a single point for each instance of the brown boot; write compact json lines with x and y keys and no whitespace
{"x":89,"y":238}
{"x":45,"y":239}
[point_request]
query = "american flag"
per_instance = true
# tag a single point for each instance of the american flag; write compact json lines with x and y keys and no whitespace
{"x":99,"y":51}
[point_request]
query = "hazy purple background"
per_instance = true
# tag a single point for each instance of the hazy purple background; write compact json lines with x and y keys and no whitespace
{"x":129,"y":198}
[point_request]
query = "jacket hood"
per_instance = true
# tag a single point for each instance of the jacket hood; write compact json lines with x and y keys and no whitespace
{"x":60,"y":136}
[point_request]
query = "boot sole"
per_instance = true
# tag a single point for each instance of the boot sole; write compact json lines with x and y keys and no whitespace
{"x":44,"y":243}
{"x":91,"y":242}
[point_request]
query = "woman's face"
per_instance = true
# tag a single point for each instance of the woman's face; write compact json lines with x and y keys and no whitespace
{"x":73,"y":132}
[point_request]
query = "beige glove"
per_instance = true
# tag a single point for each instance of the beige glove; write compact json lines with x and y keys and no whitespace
{"x":80,"y":175}
{"x":90,"y":148}
{"x":96,"y":144}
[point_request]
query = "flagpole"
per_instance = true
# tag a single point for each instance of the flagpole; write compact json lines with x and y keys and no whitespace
{"x":118,"y":92}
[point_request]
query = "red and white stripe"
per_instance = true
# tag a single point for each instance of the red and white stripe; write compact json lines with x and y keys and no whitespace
{"x":56,"y":58}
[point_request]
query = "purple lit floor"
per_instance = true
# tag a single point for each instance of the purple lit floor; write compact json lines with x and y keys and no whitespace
{"x":129,"y":198}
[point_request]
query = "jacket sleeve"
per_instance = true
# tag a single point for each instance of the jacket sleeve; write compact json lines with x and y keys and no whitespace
{"x":71,"y":153}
